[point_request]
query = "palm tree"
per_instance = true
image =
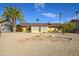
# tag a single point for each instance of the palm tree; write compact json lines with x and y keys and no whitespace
{"x":0,"y":31}
{"x":60,"y":15}
{"x":37,"y":20}
{"x":13,"y":14}
{"x":77,"y":13}
{"x":61,"y":26}
{"x":39,"y":26}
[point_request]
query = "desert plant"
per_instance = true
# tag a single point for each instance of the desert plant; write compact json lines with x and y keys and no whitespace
{"x":68,"y":27}
{"x":55,"y":31}
{"x":13,"y":14}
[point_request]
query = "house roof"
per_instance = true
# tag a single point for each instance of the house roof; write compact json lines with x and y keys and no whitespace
{"x":40,"y":24}
{"x":75,"y":20}
{"x":1,"y":21}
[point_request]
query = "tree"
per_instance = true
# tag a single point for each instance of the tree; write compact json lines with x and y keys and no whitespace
{"x":0,"y":31}
{"x":77,"y":14}
{"x":68,"y":27}
{"x":13,"y":14}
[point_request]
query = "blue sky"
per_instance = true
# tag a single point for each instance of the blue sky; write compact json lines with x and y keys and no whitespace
{"x":45,"y":12}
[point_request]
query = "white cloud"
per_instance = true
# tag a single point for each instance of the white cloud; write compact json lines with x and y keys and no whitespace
{"x":51,"y":15}
{"x":39,"y":6}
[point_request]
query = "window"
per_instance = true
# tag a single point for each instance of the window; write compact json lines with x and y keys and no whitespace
{"x":35,"y":28}
{"x":43,"y":28}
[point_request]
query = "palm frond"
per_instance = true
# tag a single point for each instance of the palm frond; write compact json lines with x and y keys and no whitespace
{"x":13,"y":13}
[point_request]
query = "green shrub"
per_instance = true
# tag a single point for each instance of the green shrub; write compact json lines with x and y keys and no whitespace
{"x":55,"y":31}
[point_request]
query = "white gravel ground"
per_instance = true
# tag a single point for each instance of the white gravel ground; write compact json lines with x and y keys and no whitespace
{"x":41,"y":44}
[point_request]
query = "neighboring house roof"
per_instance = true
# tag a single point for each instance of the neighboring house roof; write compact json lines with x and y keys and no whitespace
{"x":1,"y":21}
{"x":75,"y":20}
{"x":40,"y":24}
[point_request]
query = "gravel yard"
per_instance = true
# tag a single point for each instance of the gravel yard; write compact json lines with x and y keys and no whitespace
{"x":39,"y":44}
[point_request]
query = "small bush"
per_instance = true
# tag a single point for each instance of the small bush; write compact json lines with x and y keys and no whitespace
{"x":55,"y":31}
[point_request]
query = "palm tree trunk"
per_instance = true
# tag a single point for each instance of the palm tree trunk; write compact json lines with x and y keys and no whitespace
{"x":14,"y":25}
{"x":0,"y":32}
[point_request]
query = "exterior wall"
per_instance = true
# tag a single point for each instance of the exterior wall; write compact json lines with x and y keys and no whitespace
{"x":44,"y":29}
{"x":34,"y":30}
{"x":39,"y":29}
{"x":24,"y":29}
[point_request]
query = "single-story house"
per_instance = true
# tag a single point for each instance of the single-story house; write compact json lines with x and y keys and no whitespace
{"x":39,"y":27}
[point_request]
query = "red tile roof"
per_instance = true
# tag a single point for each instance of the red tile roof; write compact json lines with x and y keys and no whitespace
{"x":40,"y":24}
